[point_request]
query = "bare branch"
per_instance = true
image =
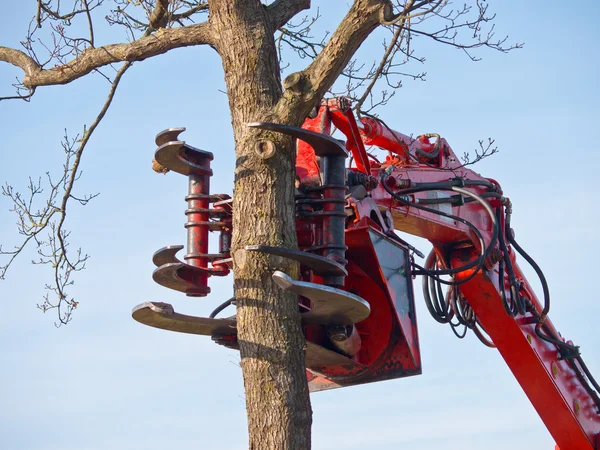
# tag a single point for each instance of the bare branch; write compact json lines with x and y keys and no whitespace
{"x":463,"y":28}
{"x":282,"y":11}
{"x":178,"y":17}
{"x":90,"y":23}
{"x":19,"y":59}
{"x":485,"y":150}
{"x":309,"y":86}
{"x":26,"y":97}
{"x":158,"y":18}
{"x":408,"y":12}
{"x":84,"y":140}
{"x":44,"y":8}
{"x":298,"y":38}
{"x":31,"y":222}
{"x":94,"y":58}
{"x":398,"y":34}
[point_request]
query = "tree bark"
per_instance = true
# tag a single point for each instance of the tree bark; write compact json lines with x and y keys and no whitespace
{"x":269,"y":331}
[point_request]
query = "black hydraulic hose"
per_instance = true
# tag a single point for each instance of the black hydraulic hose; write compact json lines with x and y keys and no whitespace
{"x":436,"y":148}
{"x":485,"y":195}
{"x":533,"y":264}
{"x":514,"y":290}
{"x":440,"y":312}
{"x":221,"y":307}
{"x":439,"y":292}
{"x":460,"y":336}
{"x":587,"y":373}
{"x":444,"y":308}
{"x":464,"y":312}
{"x":456,"y":200}
{"x":546,"y":309}
{"x":474,"y":197}
{"x":478,"y":262}
{"x":482,"y":335}
{"x":586,"y":380}
{"x":486,"y":183}
{"x":461,"y":320}
{"x":441,"y":309}
{"x":509,"y":308}
{"x":569,"y":352}
{"x":448,"y":185}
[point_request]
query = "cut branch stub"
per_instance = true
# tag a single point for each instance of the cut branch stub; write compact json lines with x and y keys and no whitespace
{"x":298,"y":83}
{"x":322,"y":144}
{"x":265,"y":149}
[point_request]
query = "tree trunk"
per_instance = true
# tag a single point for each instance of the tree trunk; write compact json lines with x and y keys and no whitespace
{"x":269,"y":332}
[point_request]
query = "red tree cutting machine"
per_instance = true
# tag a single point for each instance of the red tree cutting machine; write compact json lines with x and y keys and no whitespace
{"x":355,"y":291}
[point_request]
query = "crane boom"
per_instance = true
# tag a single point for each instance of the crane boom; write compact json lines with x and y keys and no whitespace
{"x":355,"y":293}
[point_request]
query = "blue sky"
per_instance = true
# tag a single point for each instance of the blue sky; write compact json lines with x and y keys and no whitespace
{"x":105,"y":381}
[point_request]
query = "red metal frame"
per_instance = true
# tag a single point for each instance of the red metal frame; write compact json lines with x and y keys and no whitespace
{"x":355,"y":288}
{"x":567,"y":409}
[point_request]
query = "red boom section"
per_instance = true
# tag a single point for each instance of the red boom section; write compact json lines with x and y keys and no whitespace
{"x":356,"y":301}
{"x":418,"y":172}
{"x":550,"y":382}
{"x":548,"y":379}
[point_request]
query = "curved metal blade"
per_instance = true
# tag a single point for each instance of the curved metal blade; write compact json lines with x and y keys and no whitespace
{"x":322,"y":144}
{"x":166,"y":255}
{"x":162,"y":315}
{"x":330,"y":305}
{"x":170,"y":134}
{"x":173,"y":155}
{"x":318,"y":264}
{"x":167,"y":276}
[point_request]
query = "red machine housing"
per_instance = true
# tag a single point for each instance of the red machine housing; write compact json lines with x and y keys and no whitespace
{"x":355,"y":292}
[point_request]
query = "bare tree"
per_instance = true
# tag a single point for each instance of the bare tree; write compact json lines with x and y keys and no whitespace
{"x":254,"y":40}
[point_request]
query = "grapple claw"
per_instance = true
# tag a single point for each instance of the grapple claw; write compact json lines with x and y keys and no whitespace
{"x":184,"y":159}
{"x":318,"y":264}
{"x":331,"y":306}
{"x":166,"y":255}
{"x":162,"y":315}
{"x":181,"y":277}
{"x":168,"y":135}
{"x":322,"y":144}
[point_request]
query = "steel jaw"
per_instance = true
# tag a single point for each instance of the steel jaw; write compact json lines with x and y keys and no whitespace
{"x":162,"y":315}
{"x":191,"y":276}
{"x":206,"y":212}
{"x":177,"y":275}
{"x":330,"y":305}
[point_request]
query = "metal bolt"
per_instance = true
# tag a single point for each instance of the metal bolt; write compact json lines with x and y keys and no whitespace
{"x":554,"y":370}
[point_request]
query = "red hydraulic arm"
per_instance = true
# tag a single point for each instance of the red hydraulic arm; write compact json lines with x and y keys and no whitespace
{"x":355,"y":288}
{"x":431,"y":195}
